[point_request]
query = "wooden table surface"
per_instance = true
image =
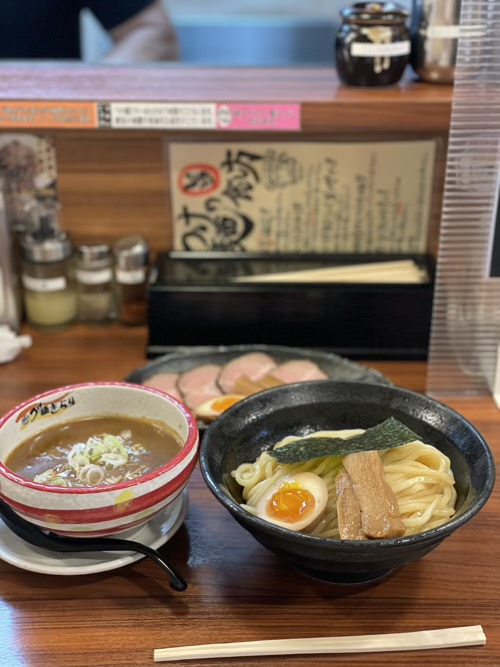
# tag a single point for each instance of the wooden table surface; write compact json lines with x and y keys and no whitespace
{"x":237,"y":590}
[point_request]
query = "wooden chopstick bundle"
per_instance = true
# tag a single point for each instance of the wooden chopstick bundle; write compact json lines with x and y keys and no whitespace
{"x":472,"y":635}
{"x":392,"y":271}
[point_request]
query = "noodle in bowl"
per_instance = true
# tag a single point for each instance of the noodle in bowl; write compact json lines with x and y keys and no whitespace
{"x":102,"y":509}
{"x":419,"y":474}
{"x":440,"y":480}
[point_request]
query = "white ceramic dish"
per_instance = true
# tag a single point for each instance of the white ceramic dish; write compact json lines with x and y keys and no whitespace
{"x":154,"y":534}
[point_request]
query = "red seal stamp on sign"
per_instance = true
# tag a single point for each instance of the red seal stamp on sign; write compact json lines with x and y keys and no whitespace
{"x":199,"y":179}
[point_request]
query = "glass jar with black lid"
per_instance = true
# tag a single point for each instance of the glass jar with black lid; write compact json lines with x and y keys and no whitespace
{"x":373,"y":44}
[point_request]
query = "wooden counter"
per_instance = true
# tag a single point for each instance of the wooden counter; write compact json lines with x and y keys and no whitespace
{"x":326,"y":104}
{"x":237,"y":590}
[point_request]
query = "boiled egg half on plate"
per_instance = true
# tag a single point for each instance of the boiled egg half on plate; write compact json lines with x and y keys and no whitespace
{"x":210,"y":410}
{"x":295,"y":502}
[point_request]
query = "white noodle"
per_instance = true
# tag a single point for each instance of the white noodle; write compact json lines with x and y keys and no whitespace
{"x":419,"y":474}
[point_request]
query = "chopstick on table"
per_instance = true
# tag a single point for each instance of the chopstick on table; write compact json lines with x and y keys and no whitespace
{"x":391,"y":271}
{"x":471,"y":635}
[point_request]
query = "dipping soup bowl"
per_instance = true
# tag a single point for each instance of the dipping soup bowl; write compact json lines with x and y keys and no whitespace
{"x":105,"y":509}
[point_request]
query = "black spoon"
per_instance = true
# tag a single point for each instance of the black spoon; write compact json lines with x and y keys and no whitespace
{"x":34,"y":535}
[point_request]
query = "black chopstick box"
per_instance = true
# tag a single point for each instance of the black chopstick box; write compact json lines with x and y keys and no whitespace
{"x":194,"y":299}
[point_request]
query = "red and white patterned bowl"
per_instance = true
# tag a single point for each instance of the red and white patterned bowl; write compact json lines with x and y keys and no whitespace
{"x":101,"y":510}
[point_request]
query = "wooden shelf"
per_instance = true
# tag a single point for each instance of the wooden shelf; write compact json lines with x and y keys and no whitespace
{"x":112,"y":182}
{"x":410,"y":107}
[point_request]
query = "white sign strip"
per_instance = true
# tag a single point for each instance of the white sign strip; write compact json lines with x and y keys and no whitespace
{"x":163,"y":116}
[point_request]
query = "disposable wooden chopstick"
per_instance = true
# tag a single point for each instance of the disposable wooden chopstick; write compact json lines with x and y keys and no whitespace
{"x":471,"y":635}
{"x":390,"y":271}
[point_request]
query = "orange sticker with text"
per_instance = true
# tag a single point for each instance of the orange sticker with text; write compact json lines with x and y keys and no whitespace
{"x":48,"y":114}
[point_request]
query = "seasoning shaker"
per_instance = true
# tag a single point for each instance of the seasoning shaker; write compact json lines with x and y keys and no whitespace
{"x":95,"y":287}
{"x":435,"y":31}
{"x":131,"y":255}
{"x":373,"y":44}
{"x":10,"y":291}
{"x":48,"y":279}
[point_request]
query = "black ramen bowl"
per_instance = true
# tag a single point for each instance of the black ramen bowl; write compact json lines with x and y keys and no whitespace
{"x":255,"y":424}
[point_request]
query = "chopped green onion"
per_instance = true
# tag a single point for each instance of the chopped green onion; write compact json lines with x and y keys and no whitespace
{"x":113,"y":459}
{"x":58,"y":481}
{"x":44,"y":477}
{"x":111,"y":441}
{"x":76,"y":458}
{"x":91,"y":474}
{"x":93,"y":449}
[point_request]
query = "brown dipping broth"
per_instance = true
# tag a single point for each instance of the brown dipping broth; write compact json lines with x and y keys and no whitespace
{"x":149,"y":446}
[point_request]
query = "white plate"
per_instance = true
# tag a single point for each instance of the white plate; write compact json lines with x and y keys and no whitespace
{"x":154,"y":533}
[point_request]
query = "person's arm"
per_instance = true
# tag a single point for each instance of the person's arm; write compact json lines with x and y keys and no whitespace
{"x":147,"y":36}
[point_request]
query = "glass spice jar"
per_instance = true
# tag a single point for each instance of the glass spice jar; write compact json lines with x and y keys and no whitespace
{"x":94,"y":274}
{"x":373,"y":44}
{"x":48,"y":280}
{"x":131,"y":255}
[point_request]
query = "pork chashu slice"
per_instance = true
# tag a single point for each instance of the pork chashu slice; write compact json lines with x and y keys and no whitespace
{"x":380,"y":516}
{"x":348,"y":510}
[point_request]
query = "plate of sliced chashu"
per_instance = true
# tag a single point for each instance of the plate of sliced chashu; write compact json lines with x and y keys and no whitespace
{"x":211,"y":379}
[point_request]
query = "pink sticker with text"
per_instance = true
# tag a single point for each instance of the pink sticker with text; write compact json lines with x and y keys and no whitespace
{"x":284,"y":117}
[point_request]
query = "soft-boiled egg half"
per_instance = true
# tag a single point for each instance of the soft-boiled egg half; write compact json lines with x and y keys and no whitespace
{"x":295,"y":502}
{"x":209,"y":410}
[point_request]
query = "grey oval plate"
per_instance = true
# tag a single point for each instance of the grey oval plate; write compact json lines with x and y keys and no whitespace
{"x":185,"y":358}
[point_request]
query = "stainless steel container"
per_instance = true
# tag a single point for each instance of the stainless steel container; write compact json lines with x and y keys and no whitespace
{"x":435,"y":32}
{"x":10,"y":292}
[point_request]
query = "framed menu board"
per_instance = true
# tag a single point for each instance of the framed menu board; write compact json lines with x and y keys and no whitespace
{"x":302,"y":197}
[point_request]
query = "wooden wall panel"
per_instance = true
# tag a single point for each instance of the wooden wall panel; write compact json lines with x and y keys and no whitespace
{"x":111,"y":186}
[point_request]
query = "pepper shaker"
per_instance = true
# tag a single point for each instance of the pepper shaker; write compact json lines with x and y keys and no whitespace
{"x":94,"y":273}
{"x":131,"y":272}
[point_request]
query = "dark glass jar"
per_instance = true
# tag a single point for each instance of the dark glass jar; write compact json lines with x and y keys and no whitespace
{"x":373,"y":44}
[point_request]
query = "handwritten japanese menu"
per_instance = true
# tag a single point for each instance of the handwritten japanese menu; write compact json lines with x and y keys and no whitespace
{"x":302,"y":197}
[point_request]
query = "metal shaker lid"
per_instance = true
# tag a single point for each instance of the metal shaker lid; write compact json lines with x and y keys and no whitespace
{"x":55,"y":248}
{"x":389,"y":12}
{"x":93,"y":252}
{"x":131,"y":252}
